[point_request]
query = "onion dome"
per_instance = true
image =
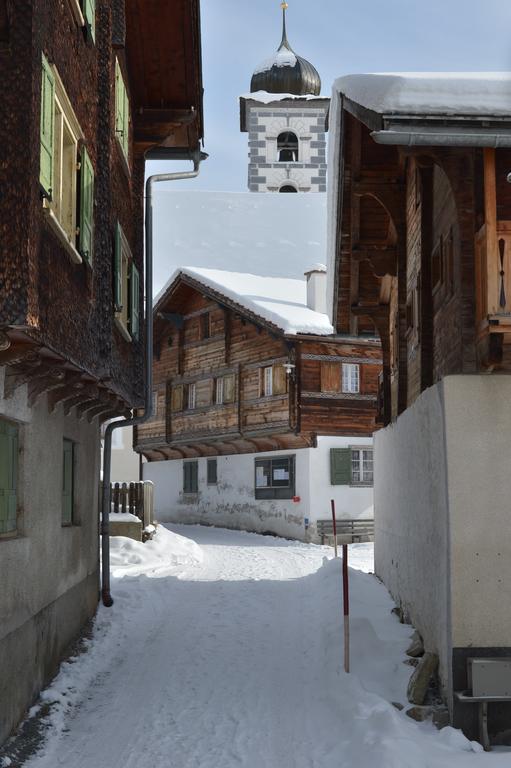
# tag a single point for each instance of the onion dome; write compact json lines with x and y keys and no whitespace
{"x":285,"y":71}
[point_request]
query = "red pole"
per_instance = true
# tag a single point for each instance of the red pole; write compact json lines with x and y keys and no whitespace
{"x":332,"y":502}
{"x":346,"y":605}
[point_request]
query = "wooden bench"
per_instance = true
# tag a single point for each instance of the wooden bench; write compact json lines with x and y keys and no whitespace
{"x":348,"y":531}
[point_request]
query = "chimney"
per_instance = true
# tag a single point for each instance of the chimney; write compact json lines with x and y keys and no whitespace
{"x":316,"y":288}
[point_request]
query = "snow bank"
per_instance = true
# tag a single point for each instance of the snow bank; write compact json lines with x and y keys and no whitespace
{"x":123,"y":517}
{"x":430,"y":93}
{"x":164,"y":550}
{"x":281,"y":301}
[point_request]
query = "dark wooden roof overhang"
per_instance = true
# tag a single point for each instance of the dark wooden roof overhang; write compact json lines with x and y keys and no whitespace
{"x":163,"y":56}
{"x":45,"y":371}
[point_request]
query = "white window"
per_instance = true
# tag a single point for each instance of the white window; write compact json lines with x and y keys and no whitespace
{"x":219,"y":391}
{"x":268,"y":381}
{"x":191,"y":397}
{"x":350,"y":378}
{"x":362,"y":466}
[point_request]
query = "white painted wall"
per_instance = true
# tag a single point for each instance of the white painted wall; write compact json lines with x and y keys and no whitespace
{"x":125,"y":462}
{"x":442,"y":509}
{"x":232,"y":502}
{"x":411,"y":519}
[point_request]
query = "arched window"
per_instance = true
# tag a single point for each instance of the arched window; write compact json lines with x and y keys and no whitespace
{"x":287,"y":147}
{"x":288,"y":188}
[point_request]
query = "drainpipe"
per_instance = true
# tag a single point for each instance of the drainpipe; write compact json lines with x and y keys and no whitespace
{"x":197,"y":158}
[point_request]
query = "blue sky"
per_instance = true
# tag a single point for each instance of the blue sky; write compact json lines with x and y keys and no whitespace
{"x":338,"y":38}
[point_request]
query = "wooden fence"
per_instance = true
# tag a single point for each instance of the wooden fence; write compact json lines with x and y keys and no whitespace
{"x":135,"y":498}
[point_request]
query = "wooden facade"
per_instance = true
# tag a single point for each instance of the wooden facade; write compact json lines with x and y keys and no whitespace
{"x":227,"y":381}
{"x":423,"y":244}
{"x":87,"y":90}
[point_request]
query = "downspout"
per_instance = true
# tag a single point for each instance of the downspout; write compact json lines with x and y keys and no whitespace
{"x":197,"y":158}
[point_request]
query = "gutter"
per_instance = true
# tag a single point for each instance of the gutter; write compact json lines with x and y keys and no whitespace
{"x":441,"y":139}
{"x":196,"y":157}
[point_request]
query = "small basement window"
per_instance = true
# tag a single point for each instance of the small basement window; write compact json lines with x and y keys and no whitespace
{"x":275,"y":478}
{"x":191,"y":477}
{"x":212,"y":472}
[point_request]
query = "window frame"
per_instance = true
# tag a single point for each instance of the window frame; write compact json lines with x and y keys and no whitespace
{"x":364,"y":480}
{"x":267,"y":383}
{"x":350,"y":385}
{"x":191,"y":396}
{"x":122,"y":105}
{"x":219,"y":391}
{"x":124,"y":301}
{"x":275,"y":491}
{"x":64,"y":123}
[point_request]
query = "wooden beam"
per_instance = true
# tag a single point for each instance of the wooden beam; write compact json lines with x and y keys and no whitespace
{"x":52,"y":380}
{"x":70,"y":388}
{"x":383,"y":259}
{"x":490,"y":217}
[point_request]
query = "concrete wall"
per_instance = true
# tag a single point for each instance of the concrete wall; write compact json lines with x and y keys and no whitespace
{"x":442,"y":506}
{"x":48,"y":573}
{"x":411,"y":519}
{"x":232,"y":503}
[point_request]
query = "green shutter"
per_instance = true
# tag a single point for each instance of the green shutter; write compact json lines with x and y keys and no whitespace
{"x":190,"y":476}
{"x":118,"y":269}
{"x":122,"y":110}
{"x":47,"y":128}
{"x":340,"y":466}
{"x":135,"y":302}
{"x":89,"y":12}
{"x":67,"y":483}
{"x":8,"y":476}
{"x":85,"y":243}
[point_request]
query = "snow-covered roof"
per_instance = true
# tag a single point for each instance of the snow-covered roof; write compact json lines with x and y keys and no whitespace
{"x":430,"y":93}
{"x":284,"y":57}
{"x":278,"y":300}
{"x":268,"y":98}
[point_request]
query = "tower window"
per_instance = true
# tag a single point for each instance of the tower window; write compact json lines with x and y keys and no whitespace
{"x":288,"y":188}
{"x":287,"y":147}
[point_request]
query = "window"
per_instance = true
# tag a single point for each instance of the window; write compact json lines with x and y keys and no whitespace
{"x":8,"y":476}
{"x":350,"y":378}
{"x":67,"y":482}
{"x":191,"y":396}
{"x":288,"y":188}
{"x":190,"y":477}
{"x":219,"y":394}
{"x":268,"y":381}
{"x":155,"y":404}
{"x":212,"y":472}
{"x":274,"y":380}
{"x":287,"y":147}
{"x":351,"y":466}
{"x":126,"y":288}
{"x":437,"y":267}
{"x":84,"y":12}
{"x":66,"y":175}
{"x":122,"y":111}
{"x":275,"y":478}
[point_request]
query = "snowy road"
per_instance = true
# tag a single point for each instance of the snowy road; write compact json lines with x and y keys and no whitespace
{"x":229,"y":657}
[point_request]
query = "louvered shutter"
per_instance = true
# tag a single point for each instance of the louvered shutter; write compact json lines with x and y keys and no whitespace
{"x":86,"y":206}
{"x":118,"y":297}
{"x":135,"y":302}
{"x":279,"y":380}
{"x":229,"y":389}
{"x":330,"y":377}
{"x":177,"y":398}
{"x":89,"y":12}
{"x":47,"y":128}
{"x":119,"y":103}
{"x":340,"y":466}
{"x":8,"y":476}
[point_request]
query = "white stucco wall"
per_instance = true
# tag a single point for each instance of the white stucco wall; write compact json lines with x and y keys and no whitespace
{"x":477,"y":428}
{"x":411,"y":519}
{"x":232,"y":503}
{"x":125,"y":462}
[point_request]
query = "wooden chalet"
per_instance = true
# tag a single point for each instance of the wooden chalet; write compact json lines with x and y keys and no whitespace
{"x":422,"y":238}
{"x":243,"y":365}
{"x":421,"y":252}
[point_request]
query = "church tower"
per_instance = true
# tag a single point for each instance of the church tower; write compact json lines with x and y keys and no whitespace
{"x":285,"y":118}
